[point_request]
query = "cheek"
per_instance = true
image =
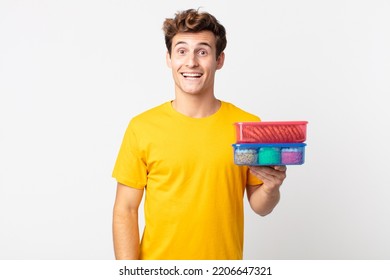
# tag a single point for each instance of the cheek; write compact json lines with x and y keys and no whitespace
{"x":175,"y":63}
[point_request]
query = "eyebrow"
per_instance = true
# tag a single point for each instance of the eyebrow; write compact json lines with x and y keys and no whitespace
{"x":201,"y":44}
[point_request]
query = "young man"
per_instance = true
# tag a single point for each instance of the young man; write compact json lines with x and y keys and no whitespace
{"x":180,"y":155}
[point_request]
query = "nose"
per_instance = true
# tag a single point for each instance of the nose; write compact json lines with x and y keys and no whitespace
{"x":192,"y":61}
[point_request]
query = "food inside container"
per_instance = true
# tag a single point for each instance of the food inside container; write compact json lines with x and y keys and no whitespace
{"x":246,"y":156}
{"x":269,"y":154}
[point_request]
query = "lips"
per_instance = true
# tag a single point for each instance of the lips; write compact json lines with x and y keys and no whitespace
{"x":191,"y":75}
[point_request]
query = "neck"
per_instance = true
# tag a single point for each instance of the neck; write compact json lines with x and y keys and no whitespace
{"x":195,"y":107}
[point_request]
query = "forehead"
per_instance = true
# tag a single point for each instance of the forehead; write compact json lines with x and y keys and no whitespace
{"x":194,"y":39}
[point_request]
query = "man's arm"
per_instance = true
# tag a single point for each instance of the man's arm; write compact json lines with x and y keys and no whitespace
{"x":125,"y":222}
{"x":263,"y":198}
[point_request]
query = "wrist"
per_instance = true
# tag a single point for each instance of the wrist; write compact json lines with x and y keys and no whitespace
{"x":270,"y":191}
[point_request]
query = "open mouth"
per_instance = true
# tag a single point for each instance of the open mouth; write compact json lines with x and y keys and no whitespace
{"x":191,"y":75}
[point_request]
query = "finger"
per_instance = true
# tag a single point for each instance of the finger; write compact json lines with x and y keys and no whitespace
{"x":261,"y":170}
{"x":280,"y":167}
{"x":264,"y":173}
{"x":270,"y":170}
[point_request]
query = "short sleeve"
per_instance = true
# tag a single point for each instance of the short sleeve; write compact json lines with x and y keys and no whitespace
{"x":252,"y":180}
{"x":130,"y":168}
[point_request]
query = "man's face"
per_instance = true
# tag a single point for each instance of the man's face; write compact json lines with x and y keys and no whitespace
{"x":193,"y":62}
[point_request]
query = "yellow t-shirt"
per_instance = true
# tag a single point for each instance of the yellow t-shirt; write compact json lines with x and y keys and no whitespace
{"x":194,"y":191}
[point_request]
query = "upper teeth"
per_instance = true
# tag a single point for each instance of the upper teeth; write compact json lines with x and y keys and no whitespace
{"x":192,"y":74}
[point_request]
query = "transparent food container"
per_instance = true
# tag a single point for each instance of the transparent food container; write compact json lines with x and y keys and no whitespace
{"x":269,"y":154}
{"x":271,"y":132}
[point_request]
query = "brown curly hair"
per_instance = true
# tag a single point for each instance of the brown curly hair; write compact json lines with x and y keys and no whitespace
{"x":194,"y":21}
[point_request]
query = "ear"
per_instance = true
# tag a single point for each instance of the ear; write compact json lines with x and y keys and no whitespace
{"x":220,"y":60}
{"x":168,"y":60}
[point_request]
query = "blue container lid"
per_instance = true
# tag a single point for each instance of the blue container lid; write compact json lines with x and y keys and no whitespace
{"x":259,"y":145}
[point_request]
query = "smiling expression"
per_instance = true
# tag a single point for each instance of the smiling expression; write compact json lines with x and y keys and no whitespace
{"x":193,"y":62}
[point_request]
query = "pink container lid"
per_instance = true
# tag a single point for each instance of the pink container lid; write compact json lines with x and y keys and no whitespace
{"x":271,"y":132}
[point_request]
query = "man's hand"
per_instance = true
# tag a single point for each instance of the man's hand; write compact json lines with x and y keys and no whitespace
{"x":272,"y":176}
{"x":265,"y":197}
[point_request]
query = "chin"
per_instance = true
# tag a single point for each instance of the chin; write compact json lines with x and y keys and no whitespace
{"x":192,"y":91}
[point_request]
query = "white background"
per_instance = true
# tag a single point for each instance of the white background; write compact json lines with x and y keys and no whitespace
{"x":73,"y":73}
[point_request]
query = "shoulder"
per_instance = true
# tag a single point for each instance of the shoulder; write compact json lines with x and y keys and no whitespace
{"x":238,"y":113}
{"x":151,"y":114}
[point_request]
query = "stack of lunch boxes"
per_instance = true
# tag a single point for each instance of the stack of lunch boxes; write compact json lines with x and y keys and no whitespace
{"x":270,"y":143}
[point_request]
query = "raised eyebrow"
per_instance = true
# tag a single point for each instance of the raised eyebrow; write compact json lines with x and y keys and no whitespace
{"x":180,"y":42}
{"x":201,"y":44}
{"x":205,"y":44}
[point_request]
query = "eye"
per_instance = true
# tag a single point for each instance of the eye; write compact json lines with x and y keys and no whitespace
{"x":181,"y":51}
{"x":202,"y":52}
